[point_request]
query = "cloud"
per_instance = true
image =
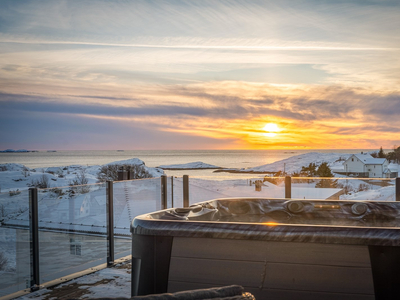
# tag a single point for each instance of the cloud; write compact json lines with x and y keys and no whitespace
{"x":234,"y":111}
{"x":325,"y":71}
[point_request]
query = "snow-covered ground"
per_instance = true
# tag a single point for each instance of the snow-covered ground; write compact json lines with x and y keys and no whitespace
{"x":16,"y":176}
{"x":141,"y":196}
{"x":294,"y":163}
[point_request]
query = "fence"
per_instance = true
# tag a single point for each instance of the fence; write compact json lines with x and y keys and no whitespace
{"x":51,"y":233}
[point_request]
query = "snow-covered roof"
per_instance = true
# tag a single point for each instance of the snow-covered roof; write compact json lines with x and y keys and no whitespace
{"x":368,"y":159}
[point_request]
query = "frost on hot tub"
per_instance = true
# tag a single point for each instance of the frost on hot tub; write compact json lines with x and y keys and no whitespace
{"x":282,"y":211}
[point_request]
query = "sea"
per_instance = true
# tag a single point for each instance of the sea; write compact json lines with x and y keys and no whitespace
{"x":154,"y":158}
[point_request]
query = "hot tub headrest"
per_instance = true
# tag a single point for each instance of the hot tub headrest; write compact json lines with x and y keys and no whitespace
{"x":232,"y":292}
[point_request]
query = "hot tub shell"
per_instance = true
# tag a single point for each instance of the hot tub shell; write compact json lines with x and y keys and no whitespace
{"x":275,"y":249}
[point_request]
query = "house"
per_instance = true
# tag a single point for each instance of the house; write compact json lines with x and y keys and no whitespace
{"x":364,"y":165}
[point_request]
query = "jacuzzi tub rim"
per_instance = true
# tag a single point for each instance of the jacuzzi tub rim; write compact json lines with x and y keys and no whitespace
{"x":338,"y":234}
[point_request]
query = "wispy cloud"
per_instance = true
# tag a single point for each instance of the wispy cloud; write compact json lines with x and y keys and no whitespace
{"x":216,"y":71}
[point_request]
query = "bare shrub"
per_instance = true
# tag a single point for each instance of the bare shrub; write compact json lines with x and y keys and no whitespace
{"x":347,"y":188}
{"x":80,"y":181}
{"x":42,"y":183}
{"x":25,"y":172}
{"x":363,"y":187}
{"x":14,"y":193}
{"x":2,"y":211}
{"x":3,"y":262}
{"x":110,"y":172}
{"x":57,"y":191}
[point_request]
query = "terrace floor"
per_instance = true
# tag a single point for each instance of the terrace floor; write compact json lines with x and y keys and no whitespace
{"x":110,"y":282}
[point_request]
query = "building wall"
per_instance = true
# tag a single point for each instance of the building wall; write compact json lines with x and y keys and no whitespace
{"x":375,"y":171}
{"x":353,"y":164}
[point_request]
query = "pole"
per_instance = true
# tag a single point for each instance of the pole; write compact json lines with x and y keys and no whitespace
{"x":398,"y":189}
{"x":122,"y":175}
{"x":288,"y":187}
{"x":172,"y":191}
{"x":164,"y":204}
{"x":185,"y":190}
{"x":34,"y":238}
{"x":110,"y":223}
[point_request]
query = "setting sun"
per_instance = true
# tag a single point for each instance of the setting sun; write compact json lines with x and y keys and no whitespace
{"x":271,"y":129}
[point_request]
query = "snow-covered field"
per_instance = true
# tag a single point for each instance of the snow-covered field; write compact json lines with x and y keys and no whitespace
{"x":294,"y":163}
{"x":16,"y":176}
{"x":141,"y":196}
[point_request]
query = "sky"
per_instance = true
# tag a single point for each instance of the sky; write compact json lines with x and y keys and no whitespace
{"x":108,"y":75}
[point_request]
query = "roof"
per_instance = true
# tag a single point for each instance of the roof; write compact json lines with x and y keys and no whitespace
{"x":368,"y":159}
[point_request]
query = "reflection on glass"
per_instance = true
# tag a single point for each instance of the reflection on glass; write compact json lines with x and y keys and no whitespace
{"x":14,"y":243}
{"x":72,"y":228}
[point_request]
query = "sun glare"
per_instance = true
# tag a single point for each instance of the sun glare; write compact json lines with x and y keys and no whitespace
{"x":271,"y":129}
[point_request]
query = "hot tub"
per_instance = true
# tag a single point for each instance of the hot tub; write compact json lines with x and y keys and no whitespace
{"x":275,"y":249}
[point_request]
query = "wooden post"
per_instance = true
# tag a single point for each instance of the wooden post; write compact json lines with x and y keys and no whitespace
{"x":34,"y":238}
{"x":288,"y":187}
{"x":164,"y":204}
{"x":185,"y":190}
{"x":110,"y":222}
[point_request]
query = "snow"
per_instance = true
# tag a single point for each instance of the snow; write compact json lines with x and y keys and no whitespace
{"x":142,"y":196}
{"x":294,"y":163}
{"x":369,"y":160}
{"x":155,"y":172}
{"x":107,"y":283}
{"x":12,"y":167}
{"x":192,"y":165}
{"x":17,"y":176}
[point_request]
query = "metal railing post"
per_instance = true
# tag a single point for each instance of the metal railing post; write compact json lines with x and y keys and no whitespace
{"x":185,"y":190}
{"x":164,"y":203}
{"x":34,"y":238}
{"x":122,"y":175}
{"x":288,"y":187}
{"x":398,"y":189}
{"x":172,"y":191}
{"x":110,"y":222}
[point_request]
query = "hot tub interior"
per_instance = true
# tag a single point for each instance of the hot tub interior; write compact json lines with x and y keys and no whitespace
{"x":282,"y":211}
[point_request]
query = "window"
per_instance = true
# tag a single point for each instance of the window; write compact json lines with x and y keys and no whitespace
{"x":75,"y":247}
{"x":352,"y":159}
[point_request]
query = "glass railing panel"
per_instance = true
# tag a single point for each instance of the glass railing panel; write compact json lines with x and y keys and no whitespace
{"x":133,"y":198}
{"x":338,"y":188}
{"x":122,"y":246}
{"x":177,"y":191}
{"x":203,"y":190}
{"x":14,"y":242}
{"x":377,"y":189}
{"x":72,"y":227}
{"x":170,"y":192}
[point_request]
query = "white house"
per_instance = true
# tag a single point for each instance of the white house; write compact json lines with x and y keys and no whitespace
{"x":364,"y":165}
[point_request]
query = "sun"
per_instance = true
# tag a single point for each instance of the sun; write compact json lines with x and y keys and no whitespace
{"x":271,"y":129}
